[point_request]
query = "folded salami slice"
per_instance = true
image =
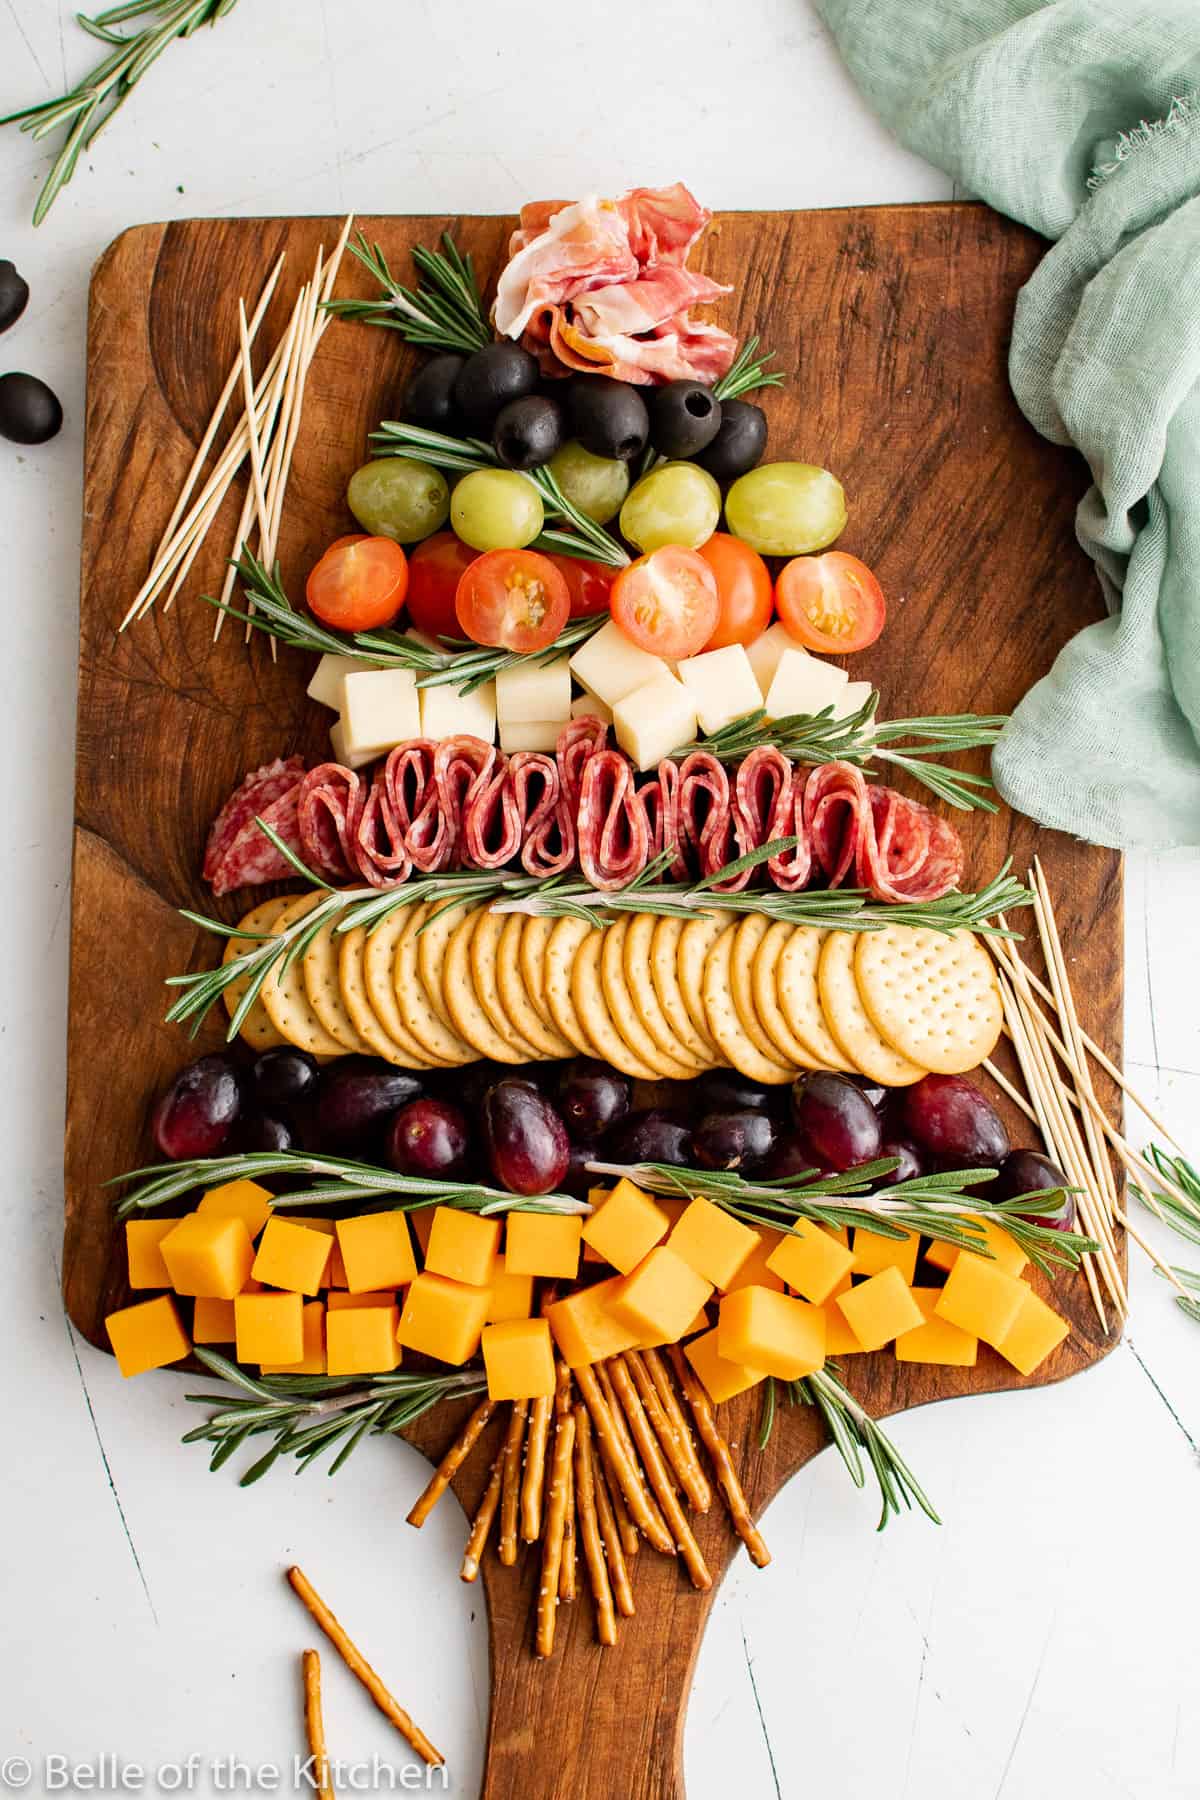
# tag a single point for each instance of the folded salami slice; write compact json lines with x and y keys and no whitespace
{"x":331,"y":802}
{"x":236,"y":848}
{"x":578,"y":742}
{"x":458,"y":764}
{"x":705,"y":813}
{"x":381,"y":855}
{"x":613,"y":830}
{"x":547,"y":826}
{"x":491,"y":819}
{"x":661,"y":800}
{"x":835,"y":809}
{"x":897,"y":848}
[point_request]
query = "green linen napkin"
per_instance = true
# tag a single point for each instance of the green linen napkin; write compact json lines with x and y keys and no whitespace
{"x":1081,"y":118}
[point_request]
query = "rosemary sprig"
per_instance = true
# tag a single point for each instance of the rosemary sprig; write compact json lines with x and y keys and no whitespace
{"x":112,"y":80}
{"x":1183,"y":1220}
{"x":853,"y":1432}
{"x":305,"y":1415}
{"x":747,"y":372}
{"x":444,"y":311}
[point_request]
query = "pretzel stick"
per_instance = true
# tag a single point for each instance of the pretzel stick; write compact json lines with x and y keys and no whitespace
{"x":481,"y":1525}
{"x":664,"y":1387}
{"x":622,"y":1431}
{"x":687,"y":1471}
{"x":589,"y":1529}
{"x":618,"y":1569}
{"x":552,"y":1537}
{"x":535,"y":1468}
{"x":722,"y":1461}
{"x":314,"y":1722}
{"x":510,"y":1481}
{"x":360,"y":1667}
{"x":621,"y":1464}
{"x":659,"y":1474}
{"x":566,"y":1568}
{"x":451,"y":1463}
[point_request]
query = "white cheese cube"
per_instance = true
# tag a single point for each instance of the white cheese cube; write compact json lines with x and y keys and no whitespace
{"x":586,"y":706}
{"x":764,"y":653}
{"x":803,"y":684}
{"x":526,"y":692}
{"x":447,"y":713}
{"x":851,"y":698}
{"x":610,"y":667}
{"x":722,"y":684}
{"x":654,"y":720}
{"x":326,"y":685}
{"x":379,"y":709}
{"x":530,"y":734}
{"x":341,"y":752}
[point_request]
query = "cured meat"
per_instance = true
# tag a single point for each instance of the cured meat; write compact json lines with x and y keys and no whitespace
{"x":459,"y":763}
{"x":583,"y":245}
{"x":380,"y":852}
{"x":663,"y":223}
{"x":577,"y":743}
{"x":706,"y":813}
{"x":237,"y":854}
{"x":491,"y":819}
{"x":547,"y":824}
{"x":791,"y":870}
{"x":613,"y":831}
{"x":897,"y":849}
{"x":329,"y":810}
{"x":768,"y":803}
{"x":661,"y":799}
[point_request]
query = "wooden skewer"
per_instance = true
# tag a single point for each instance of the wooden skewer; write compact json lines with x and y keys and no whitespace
{"x":481,"y":1525}
{"x":1018,"y":1099}
{"x":589,"y":1529}
{"x":510,"y":1481}
{"x":659,"y":1476}
{"x":361,"y":1668}
{"x":248,"y":389}
{"x":622,"y":1431}
{"x":552,"y":1537}
{"x":618,"y":1568}
{"x":1149,"y":1250}
{"x":722,"y":1460}
{"x":688,"y":1474}
{"x":314,"y":1722}
{"x":535,"y":1469}
{"x":451,"y":1463}
{"x":620,"y":1464}
{"x":279,"y":462}
{"x":567,"y":1568}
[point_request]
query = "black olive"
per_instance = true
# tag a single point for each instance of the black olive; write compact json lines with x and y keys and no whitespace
{"x":608,"y":417}
{"x":14,"y":293}
{"x":29,"y":411}
{"x":429,"y":397}
{"x":528,"y":431}
{"x":739,"y":442}
{"x":684,"y":417}
{"x":491,"y":378}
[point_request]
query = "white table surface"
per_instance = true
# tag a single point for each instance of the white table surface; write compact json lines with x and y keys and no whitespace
{"x":1043,"y":1641}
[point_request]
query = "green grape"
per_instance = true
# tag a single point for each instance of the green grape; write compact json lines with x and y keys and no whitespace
{"x":786,"y":509}
{"x":496,"y":509}
{"x":399,"y":499}
{"x":677,"y":503}
{"x":595,"y":484}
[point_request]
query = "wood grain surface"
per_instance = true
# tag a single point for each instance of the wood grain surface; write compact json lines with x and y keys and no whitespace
{"x":891,"y":324}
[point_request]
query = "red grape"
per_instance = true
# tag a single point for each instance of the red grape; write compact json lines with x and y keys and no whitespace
{"x":651,"y":1136}
{"x":526,"y":1140}
{"x":261,"y":1132}
{"x":284,"y":1076}
{"x":911,"y":1163}
{"x":358,"y":1094}
{"x":591,"y":1097}
{"x":1028,"y":1172}
{"x":725,"y":1091}
{"x":428,"y":1137}
{"x":733,"y":1140}
{"x":199,"y":1110}
{"x":951,"y":1120}
{"x":836,"y":1120}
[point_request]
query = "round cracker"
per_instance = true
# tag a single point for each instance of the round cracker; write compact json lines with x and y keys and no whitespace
{"x":636,"y":939}
{"x":352,"y":974}
{"x":470,"y":1020}
{"x":514,"y":994}
{"x":414,"y":1002}
{"x":591,"y":1004}
{"x":256,"y":1028}
{"x":624,"y":1014}
{"x":324,"y":990}
{"x":724,"y":1023}
{"x":379,"y":958}
{"x":766,"y":999}
{"x":664,"y":971}
{"x":800,"y":997}
{"x":933,"y":995}
{"x":695,"y":941}
{"x":747,"y":938}
{"x":431,"y":955}
{"x":535,"y":939}
{"x":483,"y":946}
{"x":561,"y":947}
{"x":284,"y":994}
{"x":849,"y":1021}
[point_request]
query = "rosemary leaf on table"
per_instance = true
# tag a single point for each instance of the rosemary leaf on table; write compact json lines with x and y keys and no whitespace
{"x":747,"y":373}
{"x":1184,"y":1220}
{"x":444,"y":311}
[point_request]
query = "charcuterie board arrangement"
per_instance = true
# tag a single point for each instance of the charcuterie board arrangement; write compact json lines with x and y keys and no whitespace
{"x":626,"y":1022}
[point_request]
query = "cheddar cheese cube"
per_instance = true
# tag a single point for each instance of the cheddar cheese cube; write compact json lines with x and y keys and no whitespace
{"x":269,"y":1327}
{"x":811,"y":1261}
{"x":879,"y":1309}
{"x":543,"y":1244}
{"x":443,"y":1318}
{"x":511,"y":1295}
{"x":335,"y":1270}
{"x":422,"y":1225}
{"x":715,"y":1244}
{"x":771,"y":1332}
{"x":212,"y":1320}
{"x":339,"y":1300}
{"x":376,"y":1251}
{"x":722,"y":1378}
{"x":937,"y":1340}
{"x":660,"y":1298}
{"x":147,"y":1336}
{"x":756,"y":1270}
{"x":294,"y":1257}
{"x":1007,"y":1254}
{"x":361,"y":1340}
{"x":873,"y":1253}
{"x":519,"y":1358}
{"x":380,"y":708}
{"x":980,"y":1298}
{"x":585,"y":1327}
{"x":244,"y":1200}
{"x":143,"y":1253}
{"x":1033,"y":1334}
{"x":463,"y":1246}
{"x":626,"y":1228}
{"x":840,"y":1339}
{"x":313,"y":1360}
{"x":206,"y":1255}
{"x":447,"y":713}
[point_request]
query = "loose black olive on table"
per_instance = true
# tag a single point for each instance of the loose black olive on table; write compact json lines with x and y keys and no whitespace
{"x":14,"y":295}
{"x":429,"y":397}
{"x":528,"y":431}
{"x":608,"y":417}
{"x":489,"y":379}
{"x":685,"y":417}
{"x":739,"y":442}
{"x":30,"y":412}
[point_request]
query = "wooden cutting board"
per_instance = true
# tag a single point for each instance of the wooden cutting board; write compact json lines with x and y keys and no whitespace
{"x":891,"y":324}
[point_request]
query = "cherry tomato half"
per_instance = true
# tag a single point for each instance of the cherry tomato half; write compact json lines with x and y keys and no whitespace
{"x":666,"y":602}
{"x":435,"y":569}
{"x":513,"y":599}
{"x":359,"y":584}
{"x":589,"y":584}
{"x":743,"y":589}
{"x":831,"y":603}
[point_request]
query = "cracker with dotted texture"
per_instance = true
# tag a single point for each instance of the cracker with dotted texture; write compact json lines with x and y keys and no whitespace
{"x":933,"y":995}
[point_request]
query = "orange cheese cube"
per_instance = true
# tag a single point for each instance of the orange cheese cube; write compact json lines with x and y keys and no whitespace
{"x":660,"y":1297}
{"x":294,"y":1257}
{"x":463,"y":1246}
{"x":1033,"y":1334}
{"x":715,"y":1244}
{"x":208,"y":1256}
{"x":147,"y":1336}
{"x":422,"y":1224}
{"x":585,"y":1327}
{"x":143,"y":1238}
{"x":1008,"y":1255}
{"x":839,"y":1337}
{"x":338,"y":1300}
{"x":937,"y":1340}
{"x":511,"y":1295}
{"x":596,"y":1197}
{"x":244,"y":1200}
{"x":628,"y":1225}
{"x":811,"y":1261}
{"x":873,"y":1253}
{"x":722,"y":1379}
{"x":313,"y":1360}
{"x":771,"y":1332}
{"x":543,"y":1244}
{"x":443,"y":1318}
{"x":335,"y":1272}
{"x":212,"y":1320}
{"x":756,"y":1270}
{"x":361,"y":1340}
{"x":980,"y":1298}
{"x":519,"y":1358}
{"x":376,"y":1251}
{"x":269,"y":1327}
{"x":879,"y":1309}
